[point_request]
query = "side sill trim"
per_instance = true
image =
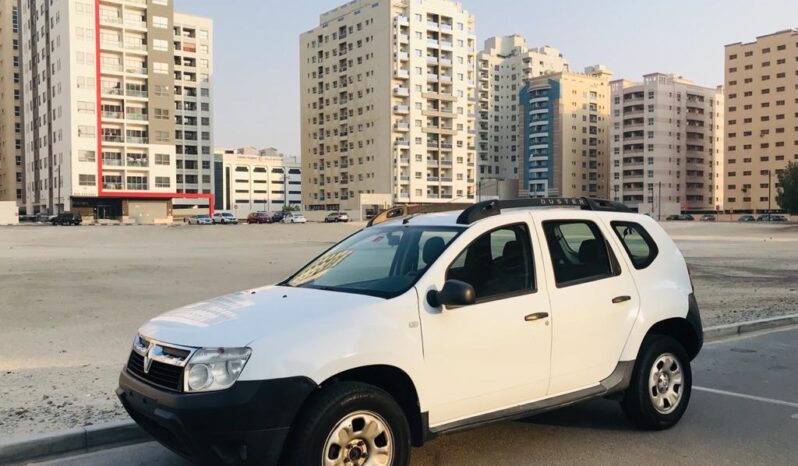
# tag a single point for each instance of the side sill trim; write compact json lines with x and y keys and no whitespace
{"x":617,"y":381}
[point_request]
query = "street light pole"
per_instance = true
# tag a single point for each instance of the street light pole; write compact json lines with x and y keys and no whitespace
{"x":769,"y":190}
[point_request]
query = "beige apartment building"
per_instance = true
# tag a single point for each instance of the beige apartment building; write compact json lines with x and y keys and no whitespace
{"x":12,"y":186}
{"x":504,"y":65}
{"x":761,"y":85}
{"x":565,"y":120}
{"x":387,"y":105}
{"x":666,"y":147}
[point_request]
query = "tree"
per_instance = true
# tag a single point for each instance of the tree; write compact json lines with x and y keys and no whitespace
{"x":788,"y":188}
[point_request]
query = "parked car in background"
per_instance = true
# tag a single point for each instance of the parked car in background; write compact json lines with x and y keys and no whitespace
{"x":201,"y":219}
{"x":336,"y":217}
{"x":259,"y":217}
{"x":671,"y":218}
{"x":67,"y":218}
{"x":294,"y":217}
{"x":708,"y":218}
{"x":224,"y":218}
{"x":277,"y":217}
{"x":771,"y":218}
{"x":681,"y":217}
{"x":746,"y":218}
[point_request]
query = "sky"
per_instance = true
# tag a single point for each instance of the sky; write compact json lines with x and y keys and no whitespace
{"x":256,"y":47}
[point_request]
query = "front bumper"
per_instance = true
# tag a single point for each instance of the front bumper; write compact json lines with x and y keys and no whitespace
{"x":245,"y":424}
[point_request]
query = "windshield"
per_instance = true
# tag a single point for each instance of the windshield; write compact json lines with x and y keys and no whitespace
{"x":383,"y":262}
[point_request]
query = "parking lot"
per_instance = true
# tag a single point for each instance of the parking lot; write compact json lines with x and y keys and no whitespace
{"x":743,"y":410}
{"x":73,"y":297}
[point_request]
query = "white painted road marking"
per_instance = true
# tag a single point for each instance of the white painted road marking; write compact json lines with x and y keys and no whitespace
{"x":748,"y":397}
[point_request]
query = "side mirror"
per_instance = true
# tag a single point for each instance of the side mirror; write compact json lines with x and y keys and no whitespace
{"x":454,"y":293}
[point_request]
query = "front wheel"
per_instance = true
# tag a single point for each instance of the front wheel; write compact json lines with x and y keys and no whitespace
{"x":661,"y":384}
{"x":350,"y":424}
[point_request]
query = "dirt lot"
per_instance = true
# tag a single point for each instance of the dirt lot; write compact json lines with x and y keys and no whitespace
{"x":72,"y":298}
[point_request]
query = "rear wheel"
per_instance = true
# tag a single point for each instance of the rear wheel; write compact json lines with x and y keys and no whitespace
{"x":350,"y":424}
{"x":661,"y":384}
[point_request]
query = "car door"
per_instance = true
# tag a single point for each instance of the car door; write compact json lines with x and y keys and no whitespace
{"x":594,"y":301}
{"x":493,"y":354}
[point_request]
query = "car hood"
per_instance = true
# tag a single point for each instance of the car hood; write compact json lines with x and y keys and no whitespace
{"x":237,"y":319}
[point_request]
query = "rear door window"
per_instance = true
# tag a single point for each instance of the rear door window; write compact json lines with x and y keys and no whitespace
{"x":579,"y":252}
{"x":639,"y":245}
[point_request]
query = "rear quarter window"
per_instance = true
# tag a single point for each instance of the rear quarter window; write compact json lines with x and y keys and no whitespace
{"x":639,"y":245}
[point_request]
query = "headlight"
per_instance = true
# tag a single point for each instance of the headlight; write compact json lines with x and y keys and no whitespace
{"x":212,"y":369}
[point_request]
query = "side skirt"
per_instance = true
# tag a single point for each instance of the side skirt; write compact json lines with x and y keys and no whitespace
{"x":616,"y":382}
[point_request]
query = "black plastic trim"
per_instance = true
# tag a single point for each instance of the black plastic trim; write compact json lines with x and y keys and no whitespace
{"x":492,"y":208}
{"x":617,"y":381}
{"x":694,"y":319}
{"x":247,"y":423}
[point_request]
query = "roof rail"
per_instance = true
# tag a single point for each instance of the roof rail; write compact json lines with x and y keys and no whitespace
{"x":487,"y":209}
{"x":406,"y":210}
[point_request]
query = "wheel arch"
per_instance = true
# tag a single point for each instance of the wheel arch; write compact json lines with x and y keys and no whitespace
{"x":396,"y":383}
{"x":681,"y":330}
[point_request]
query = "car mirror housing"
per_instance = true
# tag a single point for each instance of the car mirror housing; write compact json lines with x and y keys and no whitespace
{"x":453,"y":293}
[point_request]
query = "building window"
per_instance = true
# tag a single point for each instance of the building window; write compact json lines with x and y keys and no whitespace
{"x":162,"y":182}
{"x":160,"y":68}
{"x":161,"y":22}
{"x":160,"y":44}
{"x":162,"y":159}
{"x":87,"y":180}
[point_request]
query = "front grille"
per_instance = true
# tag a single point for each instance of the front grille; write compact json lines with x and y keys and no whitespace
{"x":160,"y":374}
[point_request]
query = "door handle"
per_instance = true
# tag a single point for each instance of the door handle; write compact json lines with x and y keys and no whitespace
{"x":620,"y":299}
{"x":536,"y":316}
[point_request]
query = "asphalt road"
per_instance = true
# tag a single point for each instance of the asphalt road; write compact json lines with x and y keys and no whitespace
{"x":744,"y":410}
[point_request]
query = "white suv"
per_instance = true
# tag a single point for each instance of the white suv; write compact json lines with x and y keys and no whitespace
{"x":424,"y":324}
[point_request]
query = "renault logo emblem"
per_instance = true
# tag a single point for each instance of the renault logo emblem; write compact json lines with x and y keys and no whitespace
{"x":152,"y":351}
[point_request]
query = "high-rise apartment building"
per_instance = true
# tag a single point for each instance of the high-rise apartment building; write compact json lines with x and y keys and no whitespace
{"x":504,"y":65}
{"x":258,"y":180}
{"x":193,"y":44}
{"x":761,"y":118}
{"x":387,"y":105}
{"x":11,"y":165}
{"x":666,"y":146}
{"x":565,"y":134}
{"x":99,"y":81}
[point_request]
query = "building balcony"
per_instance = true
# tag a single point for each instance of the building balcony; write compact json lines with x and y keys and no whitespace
{"x":401,"y":126}
{"x":401,"y":109}
{"x":402,"y":143}
{"x":401,"y":74}
{"x":113,"y":138}
{"x":401,"y":91}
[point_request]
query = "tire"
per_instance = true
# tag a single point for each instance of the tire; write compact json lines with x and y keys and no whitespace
{"x":358,"y":406}
{"x":658,"y":406}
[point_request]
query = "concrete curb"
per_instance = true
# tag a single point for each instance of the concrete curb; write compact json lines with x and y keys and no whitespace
{"x":80,"y":439}
{"x":739,"y":328}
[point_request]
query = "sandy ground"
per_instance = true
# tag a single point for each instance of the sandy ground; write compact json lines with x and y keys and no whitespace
{"x":71,"y":299}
